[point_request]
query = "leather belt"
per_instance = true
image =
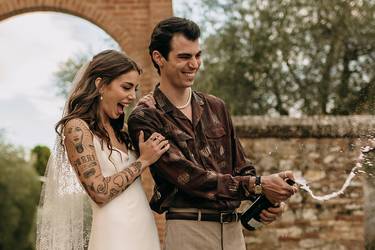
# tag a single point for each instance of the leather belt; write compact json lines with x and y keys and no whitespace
{"x":224,"y":217}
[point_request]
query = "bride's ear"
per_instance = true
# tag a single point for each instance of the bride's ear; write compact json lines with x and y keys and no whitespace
{"x":98,"y":83}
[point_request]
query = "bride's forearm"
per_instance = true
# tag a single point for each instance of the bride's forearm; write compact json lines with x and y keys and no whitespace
{"x":103,"y":189}
{"x":82,"y":156}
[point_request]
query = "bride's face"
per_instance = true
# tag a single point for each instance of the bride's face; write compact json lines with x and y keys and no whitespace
{"x":120,"y":93}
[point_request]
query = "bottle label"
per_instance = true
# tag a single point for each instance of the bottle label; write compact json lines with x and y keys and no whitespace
{"x":254,"y":223}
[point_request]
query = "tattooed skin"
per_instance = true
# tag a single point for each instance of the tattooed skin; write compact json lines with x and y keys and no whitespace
{"x":82,"y":156}
{"x":77,"y":137}
{"x":103,"y":187}
{"x":89,"y":173}
{"x":119,"y":181}
{"x":113,"y":193}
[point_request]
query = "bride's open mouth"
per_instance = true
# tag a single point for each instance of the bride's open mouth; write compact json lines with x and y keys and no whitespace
{"x":120,"y":108}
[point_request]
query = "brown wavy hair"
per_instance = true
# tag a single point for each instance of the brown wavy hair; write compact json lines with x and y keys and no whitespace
{"x":83,"y":102}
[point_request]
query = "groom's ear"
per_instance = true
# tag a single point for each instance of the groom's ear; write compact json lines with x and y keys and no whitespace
{"x":158,"y":58}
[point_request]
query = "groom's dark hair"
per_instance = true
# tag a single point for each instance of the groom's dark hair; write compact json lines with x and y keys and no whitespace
{"x":163,"y":33}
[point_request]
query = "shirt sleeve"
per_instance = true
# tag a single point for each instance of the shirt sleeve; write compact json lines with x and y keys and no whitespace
{"x":186,"y":175}
{"x":242,"y":165}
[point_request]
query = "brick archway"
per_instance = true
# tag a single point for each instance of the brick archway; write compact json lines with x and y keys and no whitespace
{"x":129,"y":22}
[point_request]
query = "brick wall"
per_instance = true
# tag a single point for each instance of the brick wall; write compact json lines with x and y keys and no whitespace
{"x":129,"y":22}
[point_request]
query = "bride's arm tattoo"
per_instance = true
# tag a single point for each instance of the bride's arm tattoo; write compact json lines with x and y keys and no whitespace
{"x":76,"y":134}
{"x":82,"y":156}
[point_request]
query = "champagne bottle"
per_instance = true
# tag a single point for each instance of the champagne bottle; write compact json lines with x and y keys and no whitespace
{"x":250,"y":219}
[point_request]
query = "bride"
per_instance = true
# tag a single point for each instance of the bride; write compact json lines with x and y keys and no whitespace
{"x":93,"y":157}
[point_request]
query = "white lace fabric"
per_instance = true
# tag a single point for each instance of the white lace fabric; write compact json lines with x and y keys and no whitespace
{"x":64,"y":212}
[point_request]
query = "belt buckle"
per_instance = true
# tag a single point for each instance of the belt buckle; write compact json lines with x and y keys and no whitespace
{"x":222,"y":218}
{"x":231,"y":218}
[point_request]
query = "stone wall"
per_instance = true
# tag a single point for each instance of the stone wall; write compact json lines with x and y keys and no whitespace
{"x":323,"y":150}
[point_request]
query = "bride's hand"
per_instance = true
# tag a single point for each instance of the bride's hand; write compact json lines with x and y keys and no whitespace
{"x":147,"y":101}
{"x":152,"y":149}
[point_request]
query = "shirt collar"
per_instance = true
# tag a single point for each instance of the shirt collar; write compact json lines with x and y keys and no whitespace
{"x":165,"y":104}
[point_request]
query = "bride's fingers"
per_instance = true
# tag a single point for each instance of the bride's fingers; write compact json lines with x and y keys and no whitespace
{"x":158,"y":138}
{"x":165,"y":148}
{"x":141,"y":137}
{"x":163,"y":143}
{"x":151,"y":97}
{"x":147,"y":100}
{"x":154,"y":136}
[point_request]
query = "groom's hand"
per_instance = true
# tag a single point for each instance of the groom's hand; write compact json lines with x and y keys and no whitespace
{"x":271,"y":214}
{"x":275,"y":187}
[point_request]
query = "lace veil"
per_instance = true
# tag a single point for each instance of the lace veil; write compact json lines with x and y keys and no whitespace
{"x":64,"y":212}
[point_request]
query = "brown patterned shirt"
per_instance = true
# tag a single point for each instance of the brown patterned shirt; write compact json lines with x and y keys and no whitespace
{"x":205,"y":166}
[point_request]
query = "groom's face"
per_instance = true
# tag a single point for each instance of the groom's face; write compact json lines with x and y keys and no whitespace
{"x":183,"y":62}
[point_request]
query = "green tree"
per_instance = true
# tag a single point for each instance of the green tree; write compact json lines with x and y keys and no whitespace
{"x":19,"y":195}
{"x":64,"y":76}
{"x":284,"y":57}
{"x":67,"y":70}
{"x":40,"y":155}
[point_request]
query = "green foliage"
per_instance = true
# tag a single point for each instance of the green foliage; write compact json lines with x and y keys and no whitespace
{"x":64,"y":76}
{"x":19,"y":195}
{"x":40,"y":155}
{"x":291,"y":56}
{"x":67,"y":70}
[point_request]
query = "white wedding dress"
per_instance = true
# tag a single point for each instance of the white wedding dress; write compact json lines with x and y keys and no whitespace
{"x":126,"y":222}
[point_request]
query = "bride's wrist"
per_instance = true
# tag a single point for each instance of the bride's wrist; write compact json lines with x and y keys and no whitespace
{"x":145,"y":163}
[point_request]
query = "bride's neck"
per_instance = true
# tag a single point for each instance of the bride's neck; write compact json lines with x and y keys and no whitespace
{"x":104,"y":120}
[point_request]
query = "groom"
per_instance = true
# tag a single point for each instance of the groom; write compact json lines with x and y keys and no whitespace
{"x":203,"y":177}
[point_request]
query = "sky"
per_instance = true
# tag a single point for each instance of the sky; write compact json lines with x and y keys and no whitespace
{"x":32,"y":45}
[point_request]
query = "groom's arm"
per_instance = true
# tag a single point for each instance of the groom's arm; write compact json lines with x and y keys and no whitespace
{"x":183,"y":173}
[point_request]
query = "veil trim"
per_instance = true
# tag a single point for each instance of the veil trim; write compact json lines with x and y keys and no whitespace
{"x":64,"y":212}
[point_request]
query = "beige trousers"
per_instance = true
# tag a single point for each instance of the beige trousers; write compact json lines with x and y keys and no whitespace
{"x":203,"y":235}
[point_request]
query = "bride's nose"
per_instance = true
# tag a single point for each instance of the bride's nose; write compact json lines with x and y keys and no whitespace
{"x":132,"y":95}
